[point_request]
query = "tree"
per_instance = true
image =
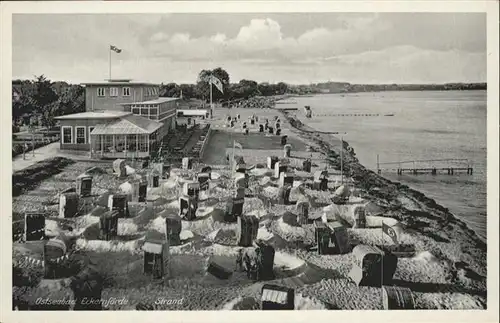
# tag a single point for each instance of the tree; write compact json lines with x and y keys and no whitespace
{"x":244,"y":89}
{"x":267,"y":89}
{"x":282,"y":88}
{"x":170,"y":90}
{"x":47,"y":117}
{"x":203,"y":85}
{"x":44,"y":94}
{"x":188,"y":91}
{"x":72,"y":101}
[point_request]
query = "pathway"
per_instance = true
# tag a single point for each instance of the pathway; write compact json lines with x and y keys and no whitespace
{"x":42,"y":153}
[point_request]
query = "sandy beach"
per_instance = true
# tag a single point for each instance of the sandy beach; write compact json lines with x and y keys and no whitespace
{"x":448,"y":270}
{"x":457,"y":270}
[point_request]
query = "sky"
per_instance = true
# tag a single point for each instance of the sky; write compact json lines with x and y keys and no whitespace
{"x":297,"y":48}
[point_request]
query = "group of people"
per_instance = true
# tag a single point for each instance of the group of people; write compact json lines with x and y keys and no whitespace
{"x":253,"y":120}
{"x":255,"y":103}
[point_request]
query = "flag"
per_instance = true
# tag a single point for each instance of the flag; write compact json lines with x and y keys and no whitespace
{"x":238,"y":145}
{"x":115,"y":49}
{"x":390,"y":232}
{"x":218,"y":84}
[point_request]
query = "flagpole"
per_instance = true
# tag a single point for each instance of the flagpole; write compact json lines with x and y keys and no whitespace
{"x":211,"y":104}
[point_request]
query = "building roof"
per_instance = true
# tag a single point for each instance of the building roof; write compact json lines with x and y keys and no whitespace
{"x":119,"y":82}
{"x":193,"y":112}
{"x":155,"y":101}
{"x":105,"y":114}
{"x":128,"y":125}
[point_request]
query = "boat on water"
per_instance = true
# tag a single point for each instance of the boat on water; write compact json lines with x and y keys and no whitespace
{"x":389,"y":115}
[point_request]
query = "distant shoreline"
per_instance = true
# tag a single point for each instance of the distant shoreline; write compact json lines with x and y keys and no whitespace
{"x":346,"y":88}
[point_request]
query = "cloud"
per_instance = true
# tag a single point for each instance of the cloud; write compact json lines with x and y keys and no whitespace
{"x":263,"y":38}
{"x":290,"y":47}
{"x":159,"y":36}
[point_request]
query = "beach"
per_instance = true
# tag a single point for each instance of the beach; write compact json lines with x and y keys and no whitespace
{"x":446,"y":271}
{"x":460,"y":252}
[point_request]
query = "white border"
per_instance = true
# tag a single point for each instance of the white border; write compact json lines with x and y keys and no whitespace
{"x":491,"y":7}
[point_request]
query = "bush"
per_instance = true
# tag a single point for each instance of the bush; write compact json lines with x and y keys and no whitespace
{"x":17,"y":149}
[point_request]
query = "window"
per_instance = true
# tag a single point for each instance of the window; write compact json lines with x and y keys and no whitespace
{"x":80,"y":135}
{"x":90,"y":130}
{"x":113,"y":91}
{"x":101,"y":91}
{"x":153,"y":111}
{"x":126,"y":91}
{"x":136,"y":111}
{"x":108,"y":144}
{"x":132,"y":143}
{"x":67,"y":135}
{"x":143,"y":143}
{"x":120,"y":143}
{"x":144,"y":111}
{"x":97,"y":145}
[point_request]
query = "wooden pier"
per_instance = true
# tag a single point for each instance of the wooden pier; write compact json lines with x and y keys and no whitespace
{"x":449,"y":166}
{"x":347,"y":115}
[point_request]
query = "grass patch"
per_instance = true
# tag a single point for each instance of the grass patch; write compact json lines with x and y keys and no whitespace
{"x":28,"y":178}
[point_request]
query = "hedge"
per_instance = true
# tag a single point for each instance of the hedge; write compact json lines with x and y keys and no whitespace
{"x":17,"y":148}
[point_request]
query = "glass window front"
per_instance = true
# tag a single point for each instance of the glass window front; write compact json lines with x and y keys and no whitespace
{"x":131,"y":143}
{"x":143,"y":143}
{"x":108,"y":144}
{"x":97,"y":144}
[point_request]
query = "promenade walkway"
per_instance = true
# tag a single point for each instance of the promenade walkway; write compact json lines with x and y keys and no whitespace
{"x":42,"y":153}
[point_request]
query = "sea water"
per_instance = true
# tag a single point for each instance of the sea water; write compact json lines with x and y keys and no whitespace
{"x":427,"y":125}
